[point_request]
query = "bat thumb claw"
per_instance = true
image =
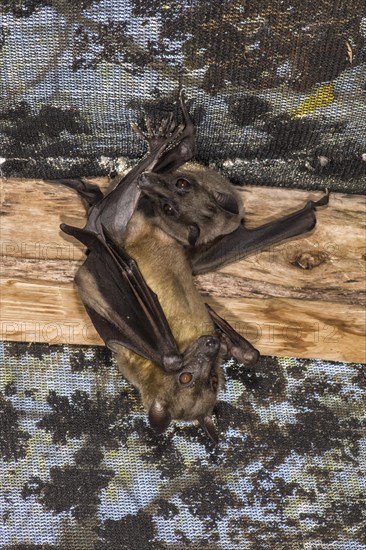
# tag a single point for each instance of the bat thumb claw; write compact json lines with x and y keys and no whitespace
{"x":172,"y":363}
{"x":323,"y":201}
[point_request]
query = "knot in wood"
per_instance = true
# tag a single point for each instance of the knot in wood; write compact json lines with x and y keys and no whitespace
{"x":310,"y":259}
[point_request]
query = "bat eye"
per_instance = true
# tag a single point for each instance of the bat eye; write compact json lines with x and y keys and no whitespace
{"x":183,"y":184}
{"x":214,"y":383}
{"x":185,"y":378}
{"x":168,"y":209}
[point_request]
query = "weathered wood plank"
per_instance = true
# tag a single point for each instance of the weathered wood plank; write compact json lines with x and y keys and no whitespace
{"x":304,"y":297}
{"x":52,"y":312}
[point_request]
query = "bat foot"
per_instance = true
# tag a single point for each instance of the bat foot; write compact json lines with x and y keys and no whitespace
{"x":246,"y":356}
{"x":240,"y":349}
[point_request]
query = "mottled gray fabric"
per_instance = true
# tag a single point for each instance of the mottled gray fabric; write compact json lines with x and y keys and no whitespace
{"x":277,"y":91}
{"x":81,"y":469}
{"x":277,"y":88}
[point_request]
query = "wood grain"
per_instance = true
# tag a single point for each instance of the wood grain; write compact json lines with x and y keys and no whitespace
{"x":304,"y":298}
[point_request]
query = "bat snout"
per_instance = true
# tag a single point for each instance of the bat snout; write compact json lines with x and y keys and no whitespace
{"x":145,"y":180}
{"x":201,"y":354}
{"x":212,"y":345}
{"x":149,"y":183}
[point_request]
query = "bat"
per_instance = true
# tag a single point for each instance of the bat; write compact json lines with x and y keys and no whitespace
{"x":146,"y":237}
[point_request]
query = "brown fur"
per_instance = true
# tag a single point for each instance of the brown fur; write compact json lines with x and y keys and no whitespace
{"x":165,"y":268}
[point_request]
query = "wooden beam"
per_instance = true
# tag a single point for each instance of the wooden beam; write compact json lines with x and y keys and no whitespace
{"x":303,"y":298}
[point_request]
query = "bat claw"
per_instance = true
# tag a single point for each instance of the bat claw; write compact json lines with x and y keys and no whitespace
{"x":138,"y":131}
{"x":148,"y":125}
{"x":323,"y":201}
{"x":172,"y":363}
{"x":182,"y":95}
{"x":167,"y":124}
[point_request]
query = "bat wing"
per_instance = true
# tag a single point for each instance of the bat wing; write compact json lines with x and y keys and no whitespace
{"x":237,"y":346}
{"x":112,"y":211}
{"x":123,"y":309}
{"x":167,"y":152}
{"x":243,"y":241}
{"x":88,"y":191}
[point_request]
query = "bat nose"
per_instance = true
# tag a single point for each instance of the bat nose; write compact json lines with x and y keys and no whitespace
{"x":212,"y":345}
{"x":202,"y":352}
{"x":152,"y":186}
{"x":145,"y":181}
{"x":149,"y":182}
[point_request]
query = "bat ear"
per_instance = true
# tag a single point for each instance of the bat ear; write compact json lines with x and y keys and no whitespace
{"x":208,"y":425}
{"x":159,"y":416}
{"x":226,"y":202}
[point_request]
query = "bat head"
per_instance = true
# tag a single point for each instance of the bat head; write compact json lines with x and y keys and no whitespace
{"x":191,"y":393}
{"x":193,"y":206}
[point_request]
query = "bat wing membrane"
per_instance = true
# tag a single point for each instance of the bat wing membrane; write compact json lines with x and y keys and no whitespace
{"x":113,"y":210}
{"x":243,"y":241}
{"x":88,"y":191}
{"x":122,"y":307}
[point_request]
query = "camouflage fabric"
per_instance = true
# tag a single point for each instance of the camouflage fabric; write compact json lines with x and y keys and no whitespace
{"x":277,"y":87}
{"x":277,"y":92}
{"x":81,"y":469}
